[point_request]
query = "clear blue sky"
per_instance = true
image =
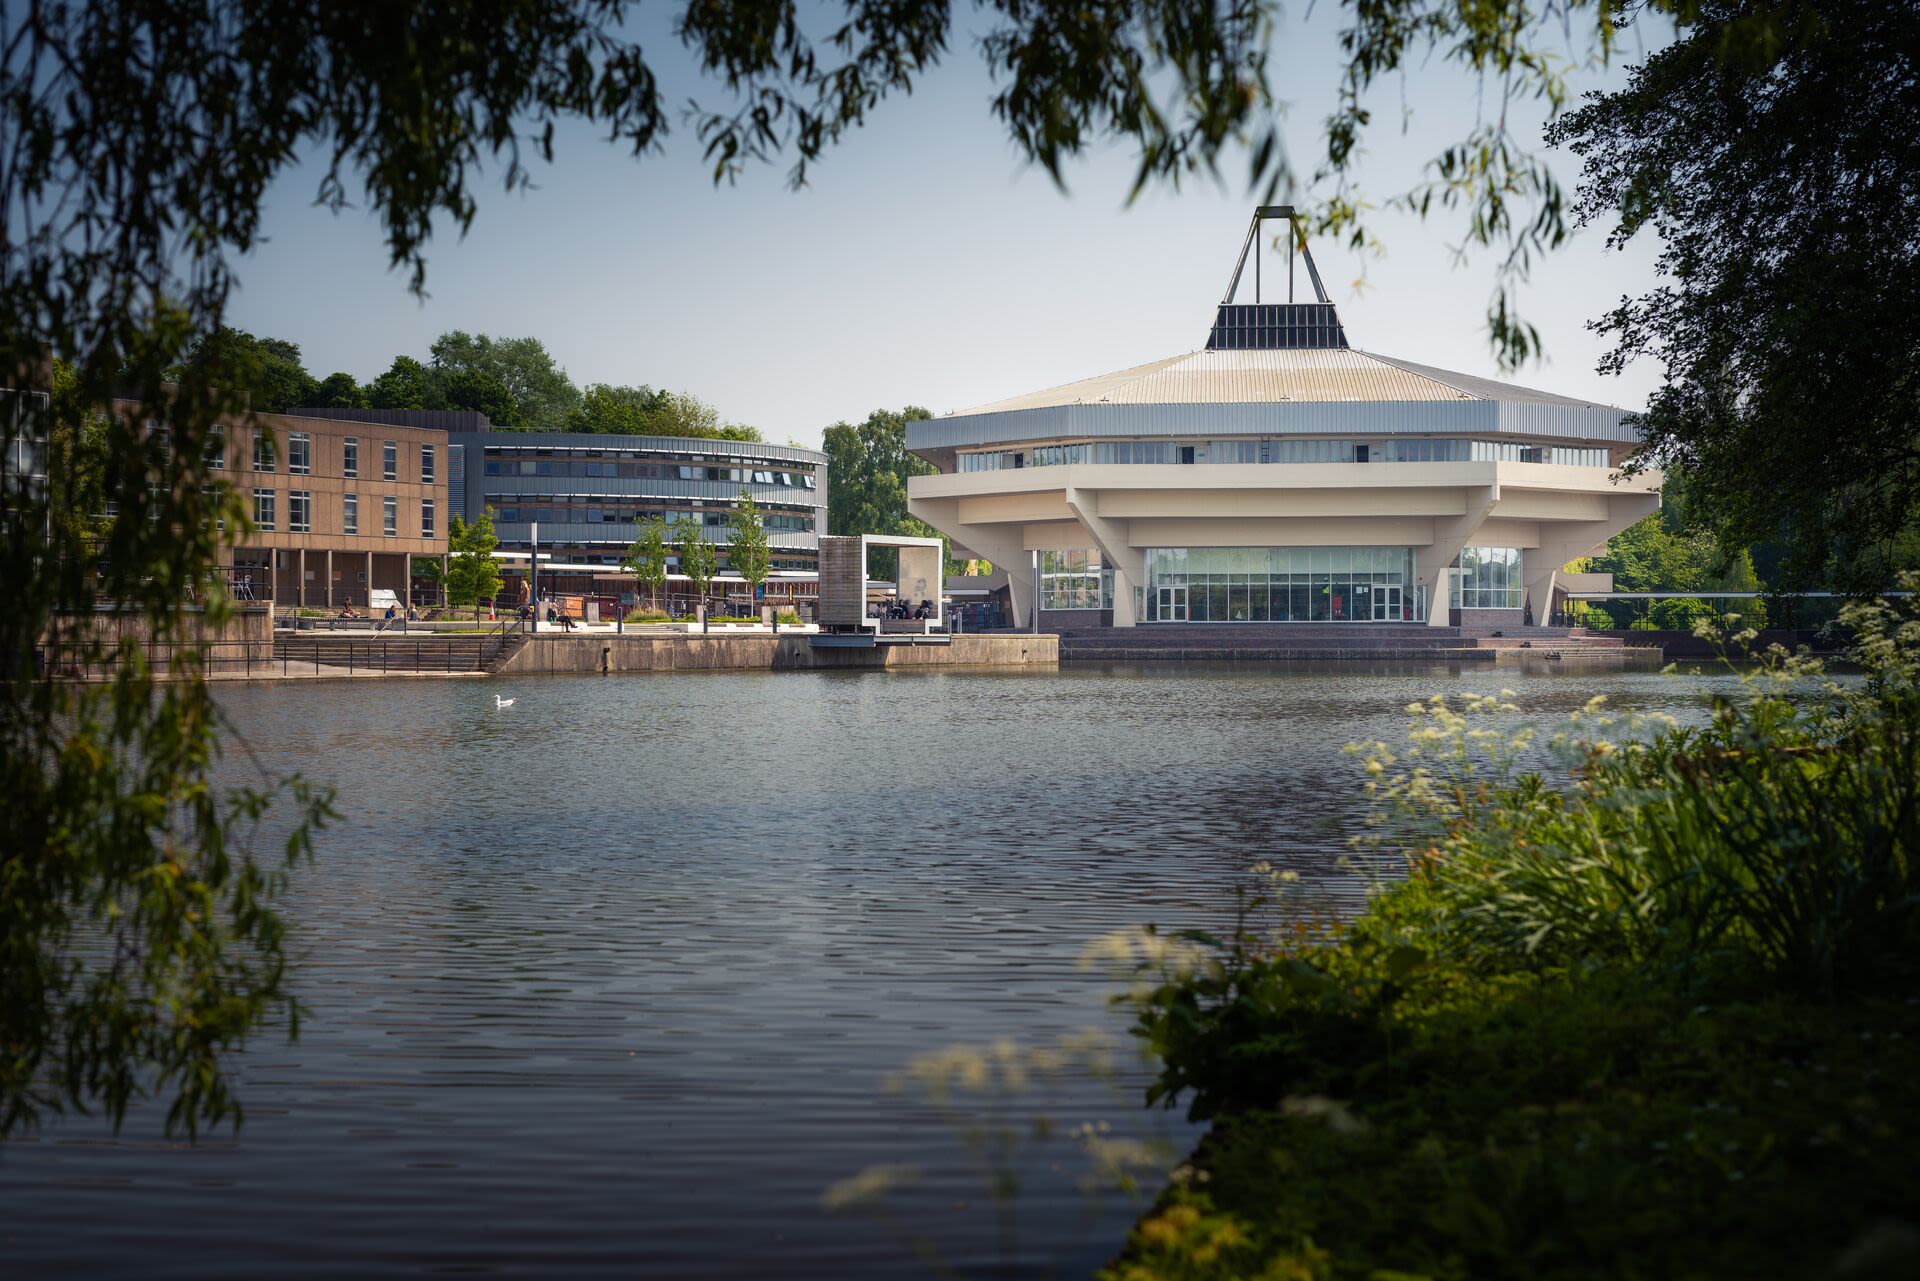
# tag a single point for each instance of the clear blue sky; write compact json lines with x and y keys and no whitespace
{"x":925,"y":264}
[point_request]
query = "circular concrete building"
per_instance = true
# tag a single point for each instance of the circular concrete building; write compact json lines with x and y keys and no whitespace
{"x":1279,"y":475}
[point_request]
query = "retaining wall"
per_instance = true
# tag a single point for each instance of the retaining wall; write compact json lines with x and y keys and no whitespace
{"x":614,"y":654}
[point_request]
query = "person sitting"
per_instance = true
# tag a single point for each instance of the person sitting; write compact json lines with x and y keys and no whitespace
{"x":347,"y":611}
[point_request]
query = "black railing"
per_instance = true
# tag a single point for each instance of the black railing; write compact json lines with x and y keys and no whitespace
{"x":283,"y":656}
{"x":498,"y":639}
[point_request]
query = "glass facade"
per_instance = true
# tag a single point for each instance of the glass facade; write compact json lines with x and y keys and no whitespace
{"x":1073,"y":578}
{"x":619,"y":469}
{"x":587,"y":491}
{"x":1280,"y":585}
{"x":1488,"y":578}
{"x":1284,"y":450}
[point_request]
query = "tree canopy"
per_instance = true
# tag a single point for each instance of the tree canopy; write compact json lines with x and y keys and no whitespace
{"x":867,"y":470}
{"x":473,"y":575}
{"x":514,"y":380}
{"x":1780,"y":179}
{"x":645,"y":411}
{"x":698,"y":560}
{"x":646,"y":558}
{"x":268,"y":370}
{"x":748,"y":554}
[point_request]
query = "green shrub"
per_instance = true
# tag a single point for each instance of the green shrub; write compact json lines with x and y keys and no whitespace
{"x":648,"y":616}
{"x":1646,"y":1013}
{"x":1680,"y":614}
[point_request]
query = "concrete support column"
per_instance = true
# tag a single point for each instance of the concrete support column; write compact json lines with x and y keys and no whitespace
{"x":329,"y":573}
{"x":369,"y":600}
{"x":1124,"y":615}
{"x":1023,"y":589}
{"x":1561,"y":542}
{"x":1001,"y":544}
{"x":273,"y":575}
{"x":1110,"y":536}
{"x":300,"y":577}
{"x":1450,"y":534}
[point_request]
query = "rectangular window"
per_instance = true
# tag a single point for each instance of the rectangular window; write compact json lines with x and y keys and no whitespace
{"x":426,"y":464}
{"x":1280,"y":584}
{"x":426,"y":518}
{"x":1233,"y":451}
{"x":263,"y":451}
{"x":263,"y":509}
{"x":217,"y":449}
{"x":1488,"y":578}
{"x":390,"y":517}
{"x":350,"y":513}
{"x":299,"y":512}
{"x":350,"y":458}
{"x":299,"y":453}
{"x":390,"y":461}
{"x":1070,"y":579}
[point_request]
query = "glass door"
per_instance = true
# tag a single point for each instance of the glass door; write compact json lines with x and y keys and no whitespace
{"x":1172,"y":605}
{"x":1386,"y":603}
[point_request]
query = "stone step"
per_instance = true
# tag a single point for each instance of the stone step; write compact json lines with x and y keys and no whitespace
{"x":401,"y":654}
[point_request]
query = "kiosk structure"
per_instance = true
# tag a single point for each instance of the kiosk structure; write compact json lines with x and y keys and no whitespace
{"x":848,"y":619}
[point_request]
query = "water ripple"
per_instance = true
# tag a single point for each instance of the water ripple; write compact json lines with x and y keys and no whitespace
{"x":608,"y":984}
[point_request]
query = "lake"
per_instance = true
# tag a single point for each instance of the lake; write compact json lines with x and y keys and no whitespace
{"x":610,"y":983}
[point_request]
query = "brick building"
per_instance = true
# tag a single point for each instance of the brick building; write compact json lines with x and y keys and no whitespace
{"x":339,"y":507}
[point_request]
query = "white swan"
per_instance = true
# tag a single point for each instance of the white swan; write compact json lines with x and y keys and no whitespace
{"x":499,"y":702}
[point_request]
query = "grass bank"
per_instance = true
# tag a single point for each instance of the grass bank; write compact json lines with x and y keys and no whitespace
{"x":1650,"y":1012}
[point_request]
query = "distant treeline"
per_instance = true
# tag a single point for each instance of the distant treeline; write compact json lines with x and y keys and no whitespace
{"x":513,"y":381}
